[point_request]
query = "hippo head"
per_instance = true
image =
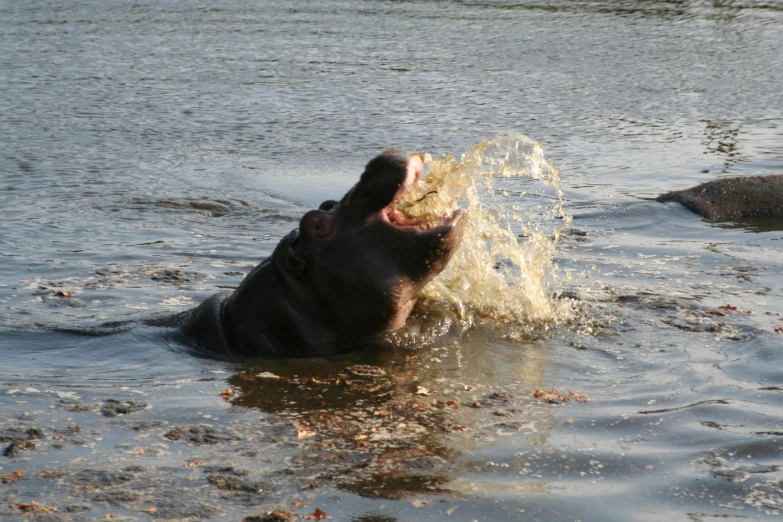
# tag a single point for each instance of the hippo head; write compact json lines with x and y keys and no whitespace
{"x":359,"y":261}
{"x":353,"y":268}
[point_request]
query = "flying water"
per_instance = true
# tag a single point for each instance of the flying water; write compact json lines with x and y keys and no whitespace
{"x":505,"y":271}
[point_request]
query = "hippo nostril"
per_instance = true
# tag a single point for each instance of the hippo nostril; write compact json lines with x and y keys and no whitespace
{"x":319,"y":224}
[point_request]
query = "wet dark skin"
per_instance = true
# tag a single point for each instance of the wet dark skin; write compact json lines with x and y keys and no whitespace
{"x":353,"y":268}
{"x":733,"y":199}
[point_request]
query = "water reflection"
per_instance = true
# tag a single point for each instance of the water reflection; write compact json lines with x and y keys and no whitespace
{"x":662,"y":9}
{"x":393,"y":422}
{"x":722,"y":138}
{"x":755,"y":225}
{"x":667,"y":9}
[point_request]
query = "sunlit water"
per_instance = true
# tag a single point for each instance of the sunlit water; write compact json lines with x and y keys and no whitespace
{"x":504,"y":268}
{"x":152,"y":153}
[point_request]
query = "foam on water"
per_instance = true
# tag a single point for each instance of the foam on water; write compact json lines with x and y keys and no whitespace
{"x":504,"y":271}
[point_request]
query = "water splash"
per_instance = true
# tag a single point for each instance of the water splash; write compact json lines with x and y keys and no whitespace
{"x":504,"y":271}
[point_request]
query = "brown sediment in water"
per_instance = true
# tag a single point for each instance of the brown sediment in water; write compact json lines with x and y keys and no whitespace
{"x":504,"y":271}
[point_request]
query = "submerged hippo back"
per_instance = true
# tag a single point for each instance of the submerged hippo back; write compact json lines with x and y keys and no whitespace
{"x":733,"y":199}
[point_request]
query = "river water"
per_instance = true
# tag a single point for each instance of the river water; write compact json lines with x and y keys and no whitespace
{"x":151,"y":153}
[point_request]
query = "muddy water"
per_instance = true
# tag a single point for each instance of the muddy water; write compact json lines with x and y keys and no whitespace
{"x":152,"y":153}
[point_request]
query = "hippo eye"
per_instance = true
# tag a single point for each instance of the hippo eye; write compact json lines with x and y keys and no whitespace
{"x":318,"y":225}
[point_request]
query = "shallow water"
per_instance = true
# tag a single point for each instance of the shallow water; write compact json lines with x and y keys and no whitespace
{"x":151,"y":153}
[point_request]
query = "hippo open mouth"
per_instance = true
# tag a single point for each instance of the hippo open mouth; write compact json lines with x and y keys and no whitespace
{"x":354,"y":268}
{"x":396,"y":217}
{"x":392,"y":215}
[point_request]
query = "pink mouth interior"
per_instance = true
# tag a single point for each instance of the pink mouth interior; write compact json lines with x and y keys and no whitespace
{"x":394,"y":216}
{"x":397,"y":218}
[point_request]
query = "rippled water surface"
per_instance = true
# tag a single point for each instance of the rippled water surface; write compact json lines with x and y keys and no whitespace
{"x":151,"y":153}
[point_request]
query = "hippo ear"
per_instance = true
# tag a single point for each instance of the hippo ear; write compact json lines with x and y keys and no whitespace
{"x":318,"y":224}
{"x":327,"y":205}
{"x":293,"y":261}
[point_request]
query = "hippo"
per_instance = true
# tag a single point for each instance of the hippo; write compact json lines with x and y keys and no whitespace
{"x":352,"y":269}
{"x":733,"y":199}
